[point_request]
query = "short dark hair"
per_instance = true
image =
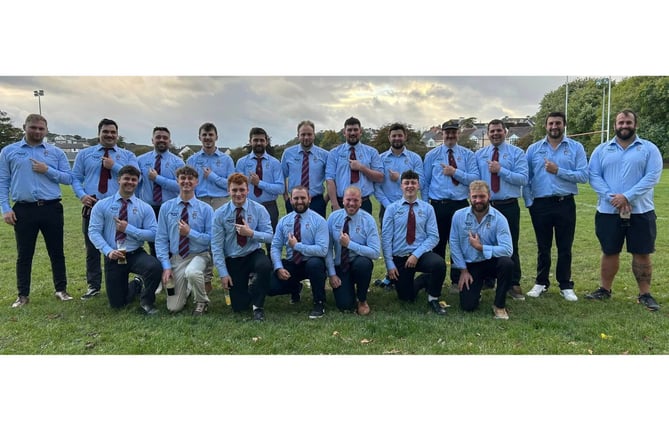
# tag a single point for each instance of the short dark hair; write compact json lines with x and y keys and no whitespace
{"x":258,"y":130}
{"x":165,"y":129}
{"x":128,"y":170}
{"x":628,"y":112}
{"x":557,"y":114}
{"x":496,"y":122}
{"x":352,"y":121}
{"x":106,"y":121}
{"x":409,"y":174}
{"x":186,"y":170}
{"x":398,"y":126}
{"x":207,"y":126}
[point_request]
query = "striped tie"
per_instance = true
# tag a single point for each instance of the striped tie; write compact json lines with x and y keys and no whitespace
{"x":355,"y":174}
{"x":183,"y":239}
{"x":157,"y":190}
{"x":105,"y":175}
{"x":123,"y":216}
{"x":305,"y":169}
{"x":241,"y":239}
{"x":297,"y":233}
{"x":452,"y":163}
{"x":494,"y":177}
{"x":411,"y":224}
{"x":256,"y":191}
{"x":345,"y":263}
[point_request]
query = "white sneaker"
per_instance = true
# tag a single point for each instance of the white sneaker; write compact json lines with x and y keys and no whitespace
{"x":537,"y":290}
{"x":159,"y":289}
{"x":569,"y":294}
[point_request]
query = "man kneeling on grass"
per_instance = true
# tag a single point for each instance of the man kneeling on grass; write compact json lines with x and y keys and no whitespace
{"x":481,"y":246}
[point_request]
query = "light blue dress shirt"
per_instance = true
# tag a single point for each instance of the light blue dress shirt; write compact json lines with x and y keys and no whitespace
{"x":439,"y":186}
{"x":18,"y":180}
{"x":363,"y":233}
{"x":224,"y":237}
{"x":314,"y":235}
{"x":513,"y":174}
{"x":633,"y":172}
{"x":87,"y":166}
{"x":271,"y":184}
{"x":291,"y":167}
{"x":338,"y":168}
{"x":216,"y":184}
{"x":141,"y":227}
{"x":394,"y":231}
{"x":493,"y":231}
{"x":389,"y":191}
{"x":167,"y":180}
{"x":200,"y":217}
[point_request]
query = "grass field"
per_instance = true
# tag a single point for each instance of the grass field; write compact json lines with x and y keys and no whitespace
{"x":547,"y":325}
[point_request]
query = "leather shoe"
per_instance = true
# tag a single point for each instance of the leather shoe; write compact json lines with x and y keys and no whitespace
{"x":363,"y":308}
{"x":21,"y":301}
{"x":149,"y":309}
{"x":516,"y":292}
{"x":436,"y":307}
{"x":63,"y":295}
{"x":258,"y":314}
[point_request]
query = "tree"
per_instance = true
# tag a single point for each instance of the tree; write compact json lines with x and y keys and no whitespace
{"x":381,"y":142}
{"x":8,"y":133}
{"x":330,"y":139}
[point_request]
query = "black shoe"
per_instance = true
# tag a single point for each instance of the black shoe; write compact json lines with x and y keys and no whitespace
{"x":259,"y":314}
{"x":436,"y":307}
{"x":318,"y":311}
{"x":599,"y":294}
{"x":149,"y":309}
{"x":134,"y":289}
{"x":420,"y":282}
{"x":648,"y":301}
{"x":90,"y":293}
{"x":295,"y":298}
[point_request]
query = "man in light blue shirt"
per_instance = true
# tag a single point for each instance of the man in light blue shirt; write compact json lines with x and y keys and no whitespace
{"x":183,"y":239}
{"x":481,"y":246}
{"x":624,"y":173}
{"x":30,"y":173}
{"x":408,"y":236}
{"x":119,"y":227}
{"x":304,"y":234}
{"x":556,"y":165}
{"x":504,"y":167}
{"x":353,"y":163}
{"x":239,"y":228}
{"x":354,"y":246}
{"x":94,"y":177}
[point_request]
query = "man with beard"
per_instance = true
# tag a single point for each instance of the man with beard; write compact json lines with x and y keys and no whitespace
{"x":449,"y":169}
{"x":94,"y":177}
{"x":31,"y":172}
{"x":353,"y":163}
{"x":238,"y":230}
{"x":556,"y":165}
{"x":213,"y":168}
{"x":158,"y":183}
{"x":354,"y":246}
{"x":119,"y":227}
{"x":183,"y":240}
{"x":624,"y":172}
{"x":408,"y":236}
{"x":304,"y":233}
{"x":481,"y":247}
{"x":264,"y":173}
{"x":504,"y":167}
{"x":304,"y":164}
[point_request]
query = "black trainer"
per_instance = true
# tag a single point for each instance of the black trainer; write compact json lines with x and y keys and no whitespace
{"x":599,"y":294}
{"x":90,"y":293}
{"x":295,"y":298}
{"x":258,"y":314}
{"x":436,"y":307}
{"x":648,"y":301}
{"x":318,"y":311}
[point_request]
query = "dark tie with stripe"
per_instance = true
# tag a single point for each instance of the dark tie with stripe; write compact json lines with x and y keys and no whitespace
{"x":157,"y":190}
{"x":184,"y":247}
{"x":452,"y":163}
{"x":105,"y":175}
{"x":411,"y":224}
{"x":305,"y":169}
{"x":241,"y":240}
{"x":345,"y":259}
{"x":494,"y":177}
{"x":256,"y":191}
{"x":123,"y":216}
{"x":297,"y":233}
{"x":355,"y":174}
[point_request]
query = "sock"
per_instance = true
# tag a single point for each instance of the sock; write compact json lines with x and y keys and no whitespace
{"x":431,"y":298}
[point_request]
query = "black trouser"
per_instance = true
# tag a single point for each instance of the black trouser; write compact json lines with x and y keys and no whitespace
{"x":241,"y":294}
{"x":366,"y":203}
{"x":93,"y":269}
{"x":317,"y":205}
{"x":554,"y":214}
{"x":152,"y":245}
{"x":119,"y":292}
{"x":312,"y":268}
{"x":443,"y":211}
{"x":500,"y":268}
{"x":511,"y":211}
{"x":30,"y":220}
{"x":430,"y":263}
{"x":354,"y":283}
{"x":273,"y":211}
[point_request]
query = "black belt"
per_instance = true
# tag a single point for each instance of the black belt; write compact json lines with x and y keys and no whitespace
{"x":38,"y":203}
{"x":555,"y":198}
{"x":501,"y":202}
{"x":447,"y":201}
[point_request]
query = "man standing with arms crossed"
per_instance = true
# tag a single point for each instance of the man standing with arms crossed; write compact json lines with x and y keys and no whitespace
{"x":624,"y":173}
{"x":556,"y":165}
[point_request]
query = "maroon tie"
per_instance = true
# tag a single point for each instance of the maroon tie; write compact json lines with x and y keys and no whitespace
{"x":105,"y":174}
{"x":297,"y":233}
{"x":411,"y":224}
{"x":123,"y":216}
{"x":355,"y":174}
{"x":345,"y":259}
{"x":256,"y":191}
{"x":452,"y":163}
{"x":184,"y":247}
{"x":305,"y":169}
{"x":494,"y":177}
{"x":157,"y":190}
{"x":241,"y":240}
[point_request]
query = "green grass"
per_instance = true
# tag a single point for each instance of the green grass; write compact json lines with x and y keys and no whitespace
{"x":547,"y":325}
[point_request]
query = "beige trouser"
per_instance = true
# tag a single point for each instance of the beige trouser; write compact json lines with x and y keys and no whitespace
{"x":188,"y":272}
{"x":215,"y":203}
